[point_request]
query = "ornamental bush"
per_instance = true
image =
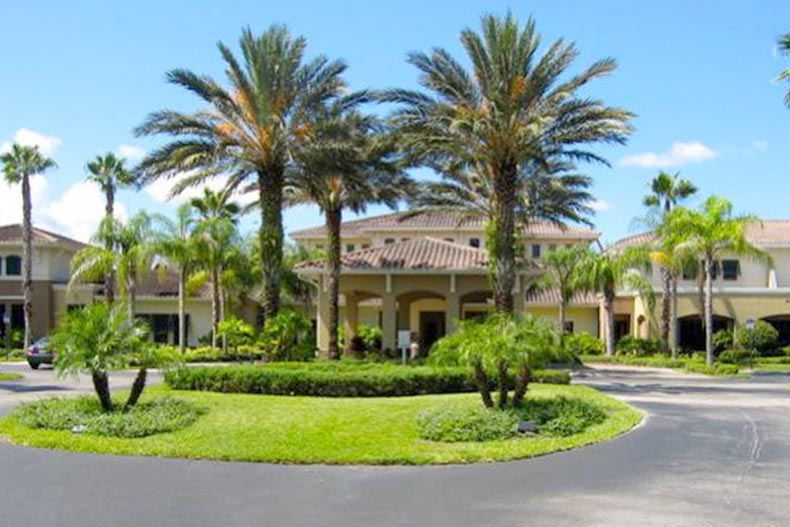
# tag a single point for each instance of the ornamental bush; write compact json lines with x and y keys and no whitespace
{"x":761,"y":337}
{"x":582,"y":344}
{"x":336,"y":379}
{"x":629,"y":345}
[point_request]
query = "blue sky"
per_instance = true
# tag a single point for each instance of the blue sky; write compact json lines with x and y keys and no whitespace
{"x":76,"y":77}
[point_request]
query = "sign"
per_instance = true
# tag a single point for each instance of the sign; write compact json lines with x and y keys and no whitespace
{"x":404,"y":339}
{"x":749,"y":323}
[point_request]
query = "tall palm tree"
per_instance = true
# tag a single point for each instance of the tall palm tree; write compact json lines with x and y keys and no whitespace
{"x":175,"y":241}
{"x":249,"y":130}
{"x":612,"y":269}
{"x":19,"y":165}
{"x":666,"y":190}
{"x":710,"y":232}
{"x":564,"y":270}
{"x":216,"y":236}
{"x":349,"y":166}
{"x":110,"y":173}
{"x":783,"y":44}
{"x":513,"y":110}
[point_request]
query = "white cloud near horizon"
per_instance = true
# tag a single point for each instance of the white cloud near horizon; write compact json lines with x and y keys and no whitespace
{"x":131,"y":152}
{"x":89,"y":200}
{"x":47,"y":144}
{"x":679,"y":154}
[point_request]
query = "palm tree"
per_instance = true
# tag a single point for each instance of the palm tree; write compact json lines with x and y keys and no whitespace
{"x":175,"y":240}
{"x":511,"y":112}
{"x":783,"y":44}
{"x":612,"y":269}
{"x":666,"y":190}
{"x":349,"y":166}
{"x":216,"y":236}
{"x":19,"y":165}
{"x":564,"y":270}
{"x":110,"y":173}
{"x":250,"y":129}
{"x":710,"y":233}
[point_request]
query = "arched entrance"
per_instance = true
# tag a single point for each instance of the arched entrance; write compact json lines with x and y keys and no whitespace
{"x":691,"y":331}
{"x":782,"y":325}
{"x":424,"y":315}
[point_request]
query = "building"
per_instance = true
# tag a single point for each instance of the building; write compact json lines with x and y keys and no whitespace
{"x":423,"y":273}
{"x":744,"y":290}
{"x":52,"y":254}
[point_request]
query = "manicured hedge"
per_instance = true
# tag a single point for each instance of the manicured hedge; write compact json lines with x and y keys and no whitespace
{"x":334,"y":379}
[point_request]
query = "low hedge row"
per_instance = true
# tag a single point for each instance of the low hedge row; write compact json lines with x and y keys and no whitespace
{"x":321,"y":380}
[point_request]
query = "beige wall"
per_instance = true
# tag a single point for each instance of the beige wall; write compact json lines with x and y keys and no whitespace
{"x":585,"y":319}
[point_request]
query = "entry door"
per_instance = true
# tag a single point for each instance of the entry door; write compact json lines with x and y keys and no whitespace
{"x":622,"y":326}
{"x":431,"y":329}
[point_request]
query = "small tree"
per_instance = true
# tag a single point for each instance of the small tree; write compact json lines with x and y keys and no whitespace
{"x":287,"y":336}
{"x":97,"y":339}
{"x":235,"y":332}
{"x":497,"y":349}
{"x":564,"y":271}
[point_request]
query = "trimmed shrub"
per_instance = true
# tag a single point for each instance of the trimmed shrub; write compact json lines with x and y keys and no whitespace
{"x":582,"y":344}
{"x":737,"y":356}
{"x":209,"y":354}
{"x":556,"y":417}
{"x":85,"y":414}
{"x":335,"y":379}
{"x":717,"y":369}
{"x":629,"y":345}
{"x":723,"y":339}
{"x":761,"y":337}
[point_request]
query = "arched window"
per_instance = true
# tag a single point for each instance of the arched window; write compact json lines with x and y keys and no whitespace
{"x":13,"y":266}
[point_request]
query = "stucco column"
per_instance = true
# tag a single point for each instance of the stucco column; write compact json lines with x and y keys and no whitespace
{"x":322,"y":318}
{"x":352,"y":317}
{"x":388,"y":321}
{"x":453,"y":313}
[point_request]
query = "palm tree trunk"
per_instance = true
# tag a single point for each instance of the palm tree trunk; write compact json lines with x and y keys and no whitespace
{"x":501,"y":239}
{"x":334,"y":219}
{"x":214,"y":306}
{"x":109,"y":210}
{"x":502,"y":384}
{"x":137,"y":388}
{"x":27,"y":260}
{"x":666,"y":307}
{"x":182,"y":325}
{"x":131,"y":294}
{"x":561,"y":319}
{"x":608,"y":307}
{"x":523,"y":379}
{"x":102,"y":387}
{"x":708,"y":311}
{"x":221,"y":304}
{"x":481,"y":381}
{"x":675,"y":335}
{"x":270,"y":194}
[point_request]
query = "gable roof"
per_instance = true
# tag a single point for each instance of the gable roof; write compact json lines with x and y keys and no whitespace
{"x":440,"y":221}
{"x":12,"y":235}
{"x":415,"y":254}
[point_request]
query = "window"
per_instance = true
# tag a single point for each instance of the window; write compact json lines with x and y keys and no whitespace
{"x":690,"y":270}
{"x":536,"y":250}
{"x":730,"y":269}
{"x":552,"y":247}
{"x":568,"y":326}
{"x":350,"y":248}
{"x":474,"y":242}
{"x":388,"y":241}
{"x":451,"y":240}
{"x":13,"y":266}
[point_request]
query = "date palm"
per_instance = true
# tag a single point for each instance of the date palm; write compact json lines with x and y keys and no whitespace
{"x":711,"y":232}
{"x":783,"y":44}
{"x":110,"y":173}
{"x":348,"y":166}
{"x":666,"y":191}
{"x":514,"y":109}
{"x":249,"y":129}
{"x":19,"y":165}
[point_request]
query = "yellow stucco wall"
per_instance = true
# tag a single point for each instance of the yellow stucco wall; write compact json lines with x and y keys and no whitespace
{"x":585,"y":319}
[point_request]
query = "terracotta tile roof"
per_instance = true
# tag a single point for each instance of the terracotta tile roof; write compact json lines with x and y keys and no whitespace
{"x":440,"y":221}
{"x":415,"y":254}
{"x":12,"y":235}
{"x":551,"y":296}
{"x":635,"y":239}
{"x":766,"y":233}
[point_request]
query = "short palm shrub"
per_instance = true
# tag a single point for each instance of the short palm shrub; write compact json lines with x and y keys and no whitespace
{"x":497,"y":347}
{"x":86,"y":415}
{"x":288,"y":337}
{"x":555,"y":417}
{"x":582,"y":343}
{"x":760,"y":336}
{"x":236,"y":333}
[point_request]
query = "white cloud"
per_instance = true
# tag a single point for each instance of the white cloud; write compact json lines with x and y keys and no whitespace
{"x":24,"y":136}
{"x":600,"y":205}
{"x":131,"y":152}
{"x":679,"y":154}
{"x":86,"y":197}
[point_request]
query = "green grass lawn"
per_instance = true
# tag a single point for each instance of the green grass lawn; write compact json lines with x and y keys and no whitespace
{"x":284,"y":429}
{"x":5,"y":376}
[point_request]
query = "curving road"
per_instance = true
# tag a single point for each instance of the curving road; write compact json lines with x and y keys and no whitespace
{"x":712,"y":452}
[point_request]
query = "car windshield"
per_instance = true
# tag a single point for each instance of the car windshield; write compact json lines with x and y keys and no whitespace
{"x":43,"y":342}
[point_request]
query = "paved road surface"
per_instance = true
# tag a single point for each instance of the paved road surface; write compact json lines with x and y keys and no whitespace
{"x":712,"y":452}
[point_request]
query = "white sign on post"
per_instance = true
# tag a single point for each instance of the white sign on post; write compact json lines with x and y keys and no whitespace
{"x":404,"y":341}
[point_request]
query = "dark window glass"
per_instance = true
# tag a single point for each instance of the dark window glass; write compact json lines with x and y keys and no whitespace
{"x":388,"y":241}
{"x":730,"y":269}
{"x":350,"y":248}
{"x":13,"y":266}
{"x":474,"y":242}
{"x":536,"y":250}
{"x":569,"y":326}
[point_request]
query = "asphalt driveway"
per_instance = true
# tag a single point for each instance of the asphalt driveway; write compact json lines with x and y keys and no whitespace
{"x":712,"y":452}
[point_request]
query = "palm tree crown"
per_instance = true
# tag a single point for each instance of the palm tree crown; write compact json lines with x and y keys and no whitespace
{"x":666,"y":190}
{"x":513,"y":110}
{"x":250,"y":128}
{"x":110,"y":173}
{"x":783,"y":44}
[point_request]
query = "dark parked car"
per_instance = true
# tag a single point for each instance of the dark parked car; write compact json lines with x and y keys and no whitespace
{"x":40,"y":353}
